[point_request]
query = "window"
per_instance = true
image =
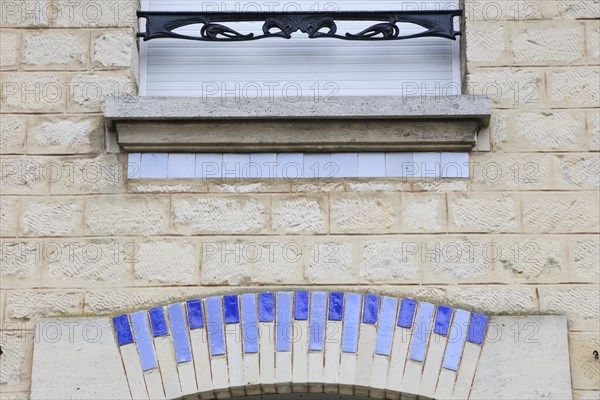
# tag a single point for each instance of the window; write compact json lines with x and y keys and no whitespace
{"x":305,"y":67}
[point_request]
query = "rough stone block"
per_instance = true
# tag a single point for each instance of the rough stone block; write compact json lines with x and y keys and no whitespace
{"x":577,"y":171}
{"x":9,"y":213}
{"x":560,"y":212}
{"x":13,"y":131}
{"x":487,"y":44}
{"x":87,"y":92}
{"x":594,"y":129}
{"x":390,"y":260}
{"x":51,"y":216}
{"x":33,"y":92}
{"x":581,"y":304}
{"x":114,"y":49}
{"x":26,"y":13}
{"x":25,"y":175}
{"x":91,"y":13}
{"x":482,"y":212}
{"x":55,"y":49}
{"x":509,"y":171}
{"x":227,"y":262}
{"x":513,"y":300}
{"x":127,"y":215}
{"x":585,"y":369}
{"x":220,"y":214}
{"x":331,"y":261}
{"x":364,"y":212}
{"x":16,"y":364}
{"x":509,"y":87}
{"x":277,"y":260}
{"x":593,"y":41}
{"x":585,"y":258}
{"x":75,"y":134}
{"x":76,"y":175}
{"x":506,"y":10}
{"x":422,"y":212}
{"x":574,"y":87}
{"x":27,"y":305}
{"x":10,"y":46}
{"x":548,"y":44}
{"x":166,"y":262}
{"x":299,"y":214}
{"x":20,"y":263}
{"x":110,"y":302}
{"x":570,"y":9}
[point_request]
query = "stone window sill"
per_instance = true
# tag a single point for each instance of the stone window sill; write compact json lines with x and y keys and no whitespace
{"x":343,"y":124}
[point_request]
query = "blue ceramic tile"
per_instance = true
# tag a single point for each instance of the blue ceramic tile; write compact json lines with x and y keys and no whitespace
{"x":351,"y":323}
{"x":181,"y":339}
{"x":336,"y":306}
{"x":477,"y":328}
{"x":290,"y":165}
{"x":195,"y":314}
{"x":407,"y":313}
{"x":232,"y":309}
{"x":144,"y":340}
{"x":123,"y":329}
{"x":301,"y":306}
{"x":454,"y":350}
{"x":284,"y":321}
{"x":442,"y":320}
{"x":371,"y":309}
{"x":266,"y":307}
{"x":318,"y":305}
{"x":385,"y":330}
{"x":214,"y":324}
{"x":418,"y":345}
{"x":249,"y":323}
{"x":158,"y":322}
{"x":154,"y":166}
{"x":134,"y":163}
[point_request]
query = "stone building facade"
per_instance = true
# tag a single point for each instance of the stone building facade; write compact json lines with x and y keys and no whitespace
{"x":519,"y":237}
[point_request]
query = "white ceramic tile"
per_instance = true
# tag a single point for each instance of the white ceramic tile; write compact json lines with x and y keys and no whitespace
{"x":208,"y":165}
{"x":235,"y":165}
{"x":154,"y":166}
{"x":317,"y":165}
{"x":345,"y":165}
{"x":455,"y":165}
{"x":371,"y":165}
{"x":398,"y":165}
{"x":182,"y":165}
{"x":427,"y":165}
{"x":134,"y":165}
{"x":263,"y":165}
{"x":290,"y":165}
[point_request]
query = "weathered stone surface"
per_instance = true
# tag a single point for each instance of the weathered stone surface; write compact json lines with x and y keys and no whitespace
{"x":481,"y":212}
{"x":264,"y":186}
{"x":547,"y":44}
{"x":13,"y":131}
{"x":278,"y":260}
{"x":496,"y":300}
{"x":578,"y":171}
{"x":56,"y":49}
{"x":486,"y":44}
{"x":26,"y":305}
{"x":505,"y":10}
{"x":509,"y":87}
{"x":66,"y":135}
{"x":9,"y":216}
{"x":55,"y":216}
{"x":500,"y":171}
{"x":25,"y":175}
{"x":95,"y":262}
{"x":330,"y":261}
{"x":78,"y":175}
{"x":88,"y":91}
{"x":390,"y":260}
{"x":539,"y":341}
{"x":585,"y":369}
{"x":594,"y":129}
{"x":593,"y":41}
{"x":220,"y":214}
{"x":556,"y":130}
{"x":34,"y":92}
{"x":440,"y":185}
{"x":88,"y":350}
{"x":378,"y":185}
{"x":10,"y":45}
{"x":16,"y":359}
{"x":570,"y":9}
{"x":167,"y":262}
{"x":456,"y":259}
{"x":422,"y":212}
{"x":227,"y":262}
{"x":560,"y":212}
{"x":91,"y":13}
{"x":363,"y":212}
{"x":299,"y":214}
{"x":127,"y":215}
{"x":586,"y":395}
{"x":27,"y":13}
{"x":110,"y":302}
{"x":585,"y":257}
{"x":114,"y":49}
{"x":20,"y":263}
{"x":581,"y":304}
{"x":574,"y":87}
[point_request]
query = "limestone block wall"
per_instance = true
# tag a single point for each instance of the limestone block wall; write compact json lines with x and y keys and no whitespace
{"x":519,"y":237}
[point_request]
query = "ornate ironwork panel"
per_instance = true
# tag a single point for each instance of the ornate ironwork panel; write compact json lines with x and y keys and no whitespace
{"x":383,"y":24}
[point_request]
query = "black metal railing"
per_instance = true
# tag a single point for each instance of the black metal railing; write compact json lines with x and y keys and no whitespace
{"x":438,"y":23}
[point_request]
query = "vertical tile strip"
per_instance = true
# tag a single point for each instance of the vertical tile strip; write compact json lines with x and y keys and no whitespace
{"x":442,"y":320}
{"x":421,"y":331}
{"x":249,"y":323}
{"x":266,"y":307}
{"x":371,"y":309}
{"x":351,"y":323}
{"x":477,"y":328}
{"x":385,"y":331}
{"x":123,"y":329}
{"x":284,"y":321}
{"x":144,"y":340}
{"x":231,"y":309}
{"x":301,"y":306}
{"x":317,"y":321}
{"x":407,"y":313}
{"x":214,"y":318}
{"x":158,"y":322}
{"x":456,"y":343}
{"x":195,"y":314}
{"x":181,"y":339}
{"x":336,"y":306}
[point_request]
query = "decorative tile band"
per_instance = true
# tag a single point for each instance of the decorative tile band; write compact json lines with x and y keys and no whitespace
{"x":398,"y":324}
{"x":297,"y":165}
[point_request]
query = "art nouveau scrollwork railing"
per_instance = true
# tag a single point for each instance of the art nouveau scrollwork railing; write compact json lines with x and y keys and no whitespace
{"x":383,"y":24}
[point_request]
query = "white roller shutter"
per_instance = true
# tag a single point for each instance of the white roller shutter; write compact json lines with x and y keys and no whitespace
{"x":300,"y":66}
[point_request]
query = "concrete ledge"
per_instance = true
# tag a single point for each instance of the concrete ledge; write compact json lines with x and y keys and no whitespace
{"x":339,"y":124}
